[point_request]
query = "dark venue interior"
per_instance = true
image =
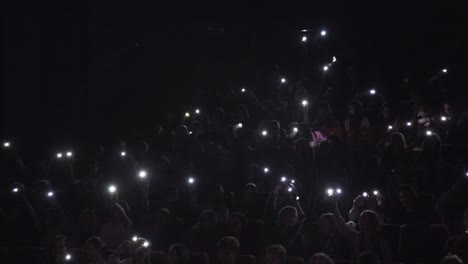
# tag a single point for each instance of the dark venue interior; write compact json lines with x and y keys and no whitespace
{"x":138,"y":132}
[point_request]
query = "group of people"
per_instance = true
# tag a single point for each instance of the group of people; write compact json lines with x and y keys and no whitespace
{"x":278,"y":178}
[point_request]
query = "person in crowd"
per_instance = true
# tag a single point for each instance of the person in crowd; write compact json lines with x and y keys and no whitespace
{"x":367,"y":201}
{"x":355,"y":118}
{"x":275,"y":254}
{"x":58,"y":250}
{"x":395,"y":155}
{"x":325,"y":118}
{"x":178,"y":254}
{"x":288,"y":232}
{"x":228,"y":249}
{"x":204,"y":235}
{"x":320,"y":258}
{"x":451,"y":259}
{"x":117,"y":229}
{"x":95,"y":251}
{"x":458,"y":244}
{"x":164,"y":230}
{"x":412,"y":209}
{"x":135,"y":252}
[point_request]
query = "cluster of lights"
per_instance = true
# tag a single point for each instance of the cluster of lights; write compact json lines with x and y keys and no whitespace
{"x":375,"y":192}
{"x":331,"y":191}
{"x":68,"y":154}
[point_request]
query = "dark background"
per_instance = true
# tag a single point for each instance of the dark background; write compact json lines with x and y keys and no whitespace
{"x":76,"y":69}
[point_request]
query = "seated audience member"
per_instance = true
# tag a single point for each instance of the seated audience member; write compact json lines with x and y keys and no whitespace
{"x":95,"y":251}
{"x":58,"y":250}
{"x":368,"y":258}
{"x":412,"y":209}
{"x":451,"y":259}
{"x":205,"y":234}
{"x":458,"y":245}
{"x":228,"y":249}
{"x":236,"y":227}
{"x":136,"y":252}
{"x":366,"y":202}
{"x":288,"y":232}
{"x":320,"y":258}
{"x":164,"y":231}
{"x":178,"y":254}
{"x":275,"y":254}
{"x":117,"y":229}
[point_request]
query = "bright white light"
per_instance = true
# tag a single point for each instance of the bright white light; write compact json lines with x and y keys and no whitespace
{"x":444,"y":70}
{"x":323,"y":33}
{"x":365,"y":194}
{"x":67,"y":257}
{"x":187,"y":114}
{"x":304,"y":39}
{"x":390,"y":127}
{"x":297,"y":198}
{"x":376,"y":192}
{"x":330,"y":192}
{"x":15,"y":190}
{"x":372,"y":91}
{"x":266,"y":170}
{"x":338,"y":191}
{"x":59,"y":155}
{"x":295,"y":129}
{"x":243,"y":90}
{"x":408,"y":124}
{"x":325,"y":68}
{"x":283,"y":80}
{"x":134,"y":238}
{"x":264,"y":133}
{"x":191,"y":180}
{"x":50,"y":194}
{"x":142,"y":174}
{"x":197,"y":111}
{"x":466,"y":174}
{"x":123,"y":153}
{"x":429,"y":133}
{"x":6,"y":144}
{"x":304,"y":103}
{"x":290,"y":189}
{"x":69,"y":154}
{"x":293,"y":181}
{"x":190,"y":132}
{"x":112,"y":189}
{"x":283,"y":179}
{"x":443,"y":118}
{"x":239,"y":125}
{"x":333,"y":59}
{"x":146,"y":244}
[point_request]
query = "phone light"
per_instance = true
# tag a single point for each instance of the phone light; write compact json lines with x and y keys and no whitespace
{"x":428,"y":133}
{"x":325,"y":68}
{"x":50,"y":194}
{"x":283,"y":179}
{"x":330,"y":192}
{"x":6,"y":144}
{"x":444,"y":70}
{"x":283,"y":80}
{"x":197,"y":111}
{"x":59,"y":155}
{"x":15,"y":190}
{"x":266,"y":170}
{"x":190,"y":132}
{"x":187,"y":114}
{"x":142,"y":174}
{"x":243,"y":90}
{"x":333,"y":59}
{"x":191,"y":180}
{"x":69,"y":154}
{"x":123,"y":154}
{"x":134,"y":238}
{"x":293,"y":181}
{"x":376,"y":192}
{"x":390,"y":127}
{"x":408,"y":124}
{"x":290,"y":189}
{"x":239,"y":125}
{"x":304,"y":39}
{"x":297,"y":198}
{"x":68,"y":257}
{"x":466,"y":174}
{"x":323,"y":33}
{"x":443,"y":118}
{"x":264,"y":133}
{"x":304,"y":103}
{"x":372,"y":92}
{"x":145,"y":244}
{"x":338,"y":191}
{"x":112,"y":189}
{"x":295,"y":129}
{"x":365,"y":194}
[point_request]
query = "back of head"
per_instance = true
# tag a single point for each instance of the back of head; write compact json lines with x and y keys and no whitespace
{"x":228,"y":242}
{"x":368,"y":258}
{"x":451,"y":259}
{"x":320,"y":258}
{"x":276,"y":251}
{"x":178,"y":254}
